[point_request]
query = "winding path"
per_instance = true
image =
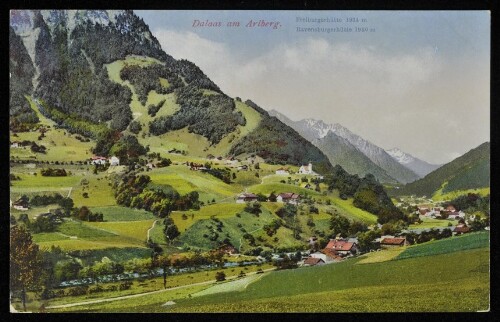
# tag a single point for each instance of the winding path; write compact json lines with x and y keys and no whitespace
{"x":153,"y":226}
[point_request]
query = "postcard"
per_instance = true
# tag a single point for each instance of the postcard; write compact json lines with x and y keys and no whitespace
{"x":166,"y":161}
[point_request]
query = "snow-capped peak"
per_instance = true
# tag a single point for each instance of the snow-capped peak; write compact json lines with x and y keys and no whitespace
{"x":400,"y":156}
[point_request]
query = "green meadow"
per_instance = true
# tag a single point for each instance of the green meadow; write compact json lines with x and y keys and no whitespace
{"x":418,"y":284}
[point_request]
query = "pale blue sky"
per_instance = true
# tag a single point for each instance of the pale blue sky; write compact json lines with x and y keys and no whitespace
{"x":419,"y":82}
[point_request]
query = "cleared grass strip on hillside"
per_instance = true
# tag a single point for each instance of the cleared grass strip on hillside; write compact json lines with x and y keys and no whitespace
{"x":448,"y":245}
{"x":356,"y":213}
{"x":231,"y":286}
{"x":118,"y":213}
{"x":381,"y":256}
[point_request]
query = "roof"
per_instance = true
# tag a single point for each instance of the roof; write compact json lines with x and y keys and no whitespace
{"x":332,"y":254}
{"x":289,"y":195}
{"x":339,"y":245}
{"x":98,"y":158}
{"x":247,"y":195}
{"x":461,"y":229}
{"x":313,"y":261}
{"x":393,"y":241}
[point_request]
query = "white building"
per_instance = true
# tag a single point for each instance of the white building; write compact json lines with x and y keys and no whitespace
{"x":306,"y":169}
{"x":114,"y":160}
{"x":98,"y":160}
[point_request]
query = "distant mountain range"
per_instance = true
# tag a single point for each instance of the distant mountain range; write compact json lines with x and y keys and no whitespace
{"x":352,"y":152}
{"x":418,"y":166}
{"x":470,"y":171}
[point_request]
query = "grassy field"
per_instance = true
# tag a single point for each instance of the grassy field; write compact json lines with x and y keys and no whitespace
{"x":440,"y":196}
{"x":432,"y":223}
{"x":381,"y":256}
{"x":420,"y":284}
{"x":155,"y":284}
{"x":233,"y":228}
{"x":448,"y":245}
{"x":232,"y":286}
{"x":61,"y":145}
{"x":118,"y":213}
{"x":134,"y":233}
{"x":353,"y":212}
{"x":77,"y":235}
{"x":185,"y":180}
{"x":222,"y":210}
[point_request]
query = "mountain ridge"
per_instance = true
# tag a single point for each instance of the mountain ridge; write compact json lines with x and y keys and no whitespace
{"x":420,"y":167}
{"x":316,"y":129}
{"x":469,"y":171}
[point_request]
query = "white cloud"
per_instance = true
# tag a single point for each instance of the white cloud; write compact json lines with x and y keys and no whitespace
{"x":399,"y":99}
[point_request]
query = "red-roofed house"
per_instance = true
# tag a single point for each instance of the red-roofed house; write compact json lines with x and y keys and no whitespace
{"x":313,"y":261}
{"x":393,"y":242}
{"x":342,"y":247}
{"x":288,"y":197}
{"x":461,"y":229}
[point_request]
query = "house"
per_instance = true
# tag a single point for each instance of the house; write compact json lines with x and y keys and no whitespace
{"x":196,"y":166}
{"x":392,"y":242}
{"x":15,"y":144}
{"x":150,"y":166}
{"x":21,"y":205}
{"x":342,"y":247}
{"x":424,"y":211}
{"x":313,"y":261}
{"x":98,"y":160}
{"x":282,"y":171}
{"x":228,"y":249}
{"x":453,"y":215}
{"x":243,"y":167}
{"x":114,"y":160}
{"x":450,"y":208}
{"x":246,"y":197}
{"x":288,"y":197}
{"x":306,"y":169}
{"x":460,"y":229}
{"x":331,"y":255}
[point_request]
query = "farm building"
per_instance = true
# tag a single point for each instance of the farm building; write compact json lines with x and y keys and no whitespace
{"x":391,"y":242}
{"x":342,"y":247}
{"x":288,"y":197}
{"x":313,"y":261}
{"x":98,"y":160}
{"x":246,"y":197}
{"x":114,"y":161}
{"x":282,"y":171}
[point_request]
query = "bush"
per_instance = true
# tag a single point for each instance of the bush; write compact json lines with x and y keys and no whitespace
{"x":220,"y":276}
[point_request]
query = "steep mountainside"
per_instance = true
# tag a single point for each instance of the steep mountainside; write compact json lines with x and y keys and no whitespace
{"x":418,"y":166}
{"x":470,"y":171}
{"x":317,"y":129}
{"x":69,"y":52}
{"x":21,"y":74}
{"x":340,"y":151}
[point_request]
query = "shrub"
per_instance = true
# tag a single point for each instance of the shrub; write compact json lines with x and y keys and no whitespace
{"x":220,"y":276}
